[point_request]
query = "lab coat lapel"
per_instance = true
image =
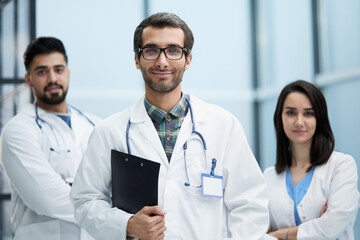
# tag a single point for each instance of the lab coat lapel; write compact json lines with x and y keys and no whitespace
{"x":186,"y":128}
{"x":51,"y":120}
{"x":142,"y":124}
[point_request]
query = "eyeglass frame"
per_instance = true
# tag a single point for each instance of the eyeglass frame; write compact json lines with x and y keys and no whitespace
{"x":184,"y":50}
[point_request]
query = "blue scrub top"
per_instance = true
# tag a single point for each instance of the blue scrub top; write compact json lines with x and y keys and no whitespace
{"x":298,"y":192}
{"x":66,"y":119}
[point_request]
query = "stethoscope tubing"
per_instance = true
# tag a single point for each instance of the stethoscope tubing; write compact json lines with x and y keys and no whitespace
{"x":38,"y":119}
{"x":185,"y":146}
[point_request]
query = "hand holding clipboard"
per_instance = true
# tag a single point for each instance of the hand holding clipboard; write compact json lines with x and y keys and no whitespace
{"x":135,"y":190}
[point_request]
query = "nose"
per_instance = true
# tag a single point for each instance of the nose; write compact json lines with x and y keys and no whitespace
{"x":299,"y":120}
{"x":52,"y":77}
{"x":162,"y":61}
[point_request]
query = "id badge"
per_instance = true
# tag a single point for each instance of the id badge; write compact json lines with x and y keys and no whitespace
{"x":212,"y":185}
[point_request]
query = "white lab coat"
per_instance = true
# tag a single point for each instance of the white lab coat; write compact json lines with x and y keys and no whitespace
{"x":335,"y":182}
{"x":41,"y":208}
{"x":242,"y":212}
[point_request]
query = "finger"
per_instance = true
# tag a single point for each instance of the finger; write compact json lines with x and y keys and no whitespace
{"x":324,"y":209}
{"x":158,"y":219}
{"x":161,"y":232}
{"x":159,"y":226}
{"x":161,"y":236}
{"x":154,"y":230}
{"x":153,"y":210}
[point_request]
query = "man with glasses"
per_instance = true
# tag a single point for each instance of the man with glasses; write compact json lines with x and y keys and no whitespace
{"x":210,"y":186}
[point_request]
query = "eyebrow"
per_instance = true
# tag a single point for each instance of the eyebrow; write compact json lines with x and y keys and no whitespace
{"x":293,"y":108}
{"x":154,"y":45}
{"x":40,"y":67}
{"x":59,"y":65}
{"x":46,"y":67}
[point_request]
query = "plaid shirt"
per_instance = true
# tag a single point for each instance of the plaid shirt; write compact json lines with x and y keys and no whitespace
{"x":167,"y":124}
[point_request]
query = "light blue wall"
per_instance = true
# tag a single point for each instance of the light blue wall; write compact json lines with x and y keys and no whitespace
{"x":285,"y":55}
{"x":98,"y":37}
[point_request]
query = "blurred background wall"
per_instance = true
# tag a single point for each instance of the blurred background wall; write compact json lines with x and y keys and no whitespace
{"x":245,"y":52}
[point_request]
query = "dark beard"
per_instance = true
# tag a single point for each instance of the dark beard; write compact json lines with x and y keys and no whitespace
{"x":54,"y":99}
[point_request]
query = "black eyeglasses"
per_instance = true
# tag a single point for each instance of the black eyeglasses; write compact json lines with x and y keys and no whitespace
{"x":153,"y":53}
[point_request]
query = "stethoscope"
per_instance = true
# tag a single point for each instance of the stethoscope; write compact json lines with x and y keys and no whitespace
{"x":38,"y":120}
{"x":185,"y":146}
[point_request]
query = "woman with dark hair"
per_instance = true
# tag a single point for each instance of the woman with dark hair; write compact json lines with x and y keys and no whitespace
{"x":312,"y":188}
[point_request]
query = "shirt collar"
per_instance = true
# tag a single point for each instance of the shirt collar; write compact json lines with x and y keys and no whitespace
{"x":157,"y":114}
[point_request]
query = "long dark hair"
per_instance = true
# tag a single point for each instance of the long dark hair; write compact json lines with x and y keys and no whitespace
{"x":323,"y":141}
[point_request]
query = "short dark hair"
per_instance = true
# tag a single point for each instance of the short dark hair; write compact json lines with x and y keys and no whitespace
{"x":323,"y":141}
{"x":161,"y":20}
{"x":43,"y":45}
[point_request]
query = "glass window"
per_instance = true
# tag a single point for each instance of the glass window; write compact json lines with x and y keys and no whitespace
{"x":284,"y":41}
{"x":285,"y":54}
{"x":23,"y":36}
{"x":7,"y":44}
{"x":14,"y":37}
{"x":339,"y":34}
{"x":267,"y":139}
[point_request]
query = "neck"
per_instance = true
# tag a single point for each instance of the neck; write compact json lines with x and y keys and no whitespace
{"x":58,"y":108}
{"x":300,"y":155}
{"x":164,"y":101}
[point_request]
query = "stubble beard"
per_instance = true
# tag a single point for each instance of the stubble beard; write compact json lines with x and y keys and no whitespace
{"x":162,"y":86}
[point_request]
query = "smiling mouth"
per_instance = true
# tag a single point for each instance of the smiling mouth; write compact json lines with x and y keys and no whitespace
{"x":163,"y":75}
{"x":53,"y":88}
{"x":299,"y":131}
{"x":162,"y":72}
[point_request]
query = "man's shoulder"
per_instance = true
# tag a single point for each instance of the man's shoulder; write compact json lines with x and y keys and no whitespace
{"x":115,"y":119}
{"x":272,"y":176}
{"x":83,"y":115}
{"x":209,"y":109}
{"x":21,"y":124}
{"x":24,"y":115}
{"x":270,"y":171}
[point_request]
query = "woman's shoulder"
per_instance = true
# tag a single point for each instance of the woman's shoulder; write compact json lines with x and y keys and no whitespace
{"x":338,"y":162}
{"x":339,"y":158}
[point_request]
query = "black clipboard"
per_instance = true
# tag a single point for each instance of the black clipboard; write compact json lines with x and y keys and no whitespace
{"x":134,"y":182}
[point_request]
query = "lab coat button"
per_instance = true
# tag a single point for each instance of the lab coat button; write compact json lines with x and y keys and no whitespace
{"x":300,"y":205}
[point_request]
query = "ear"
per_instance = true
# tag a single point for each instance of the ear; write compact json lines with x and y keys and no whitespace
{"x":27,"y":80}
{"x":188,"y":61}
{"x":137,"y":61}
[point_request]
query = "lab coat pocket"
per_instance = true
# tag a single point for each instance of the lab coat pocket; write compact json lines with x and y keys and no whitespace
{"x":196,"y":194}
{"x":62,"y":163}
